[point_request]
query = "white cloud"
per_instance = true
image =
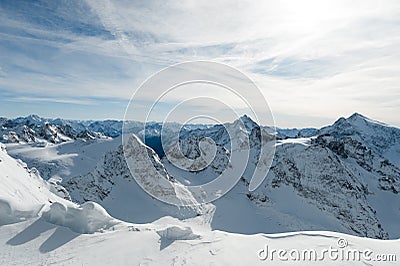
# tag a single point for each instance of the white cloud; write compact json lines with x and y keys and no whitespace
{"x":53,"y":100}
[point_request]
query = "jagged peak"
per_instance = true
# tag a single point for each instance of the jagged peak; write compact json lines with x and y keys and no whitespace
{"x":246,"y":118}
{"x":247,"y":122}
{"x":34,"y":117}
{"x":358,"y":116}
{"x":31,"y":118}
{"x":355,"y":118}
{"x":357,"y":124}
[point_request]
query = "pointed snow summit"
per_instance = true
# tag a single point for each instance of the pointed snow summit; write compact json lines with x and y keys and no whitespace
{"x":357,"y":124}
{"x":375,"y":135}
{"x":248,"y":123}
{"x":357,"y":116}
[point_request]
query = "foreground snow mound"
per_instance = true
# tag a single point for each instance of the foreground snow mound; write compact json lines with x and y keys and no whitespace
{"x":88,"y":218}
{"x":7,"y":215}
{"x":58,"y":189}
{"x":177,"y":233}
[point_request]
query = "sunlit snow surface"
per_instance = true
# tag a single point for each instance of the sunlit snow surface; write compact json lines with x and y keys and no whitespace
{"x":169,"y":242}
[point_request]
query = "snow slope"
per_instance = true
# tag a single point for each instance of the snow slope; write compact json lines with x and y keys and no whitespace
{"x":23,"y":192}
{"x":67,"y":159}
{"x":25,"y":195}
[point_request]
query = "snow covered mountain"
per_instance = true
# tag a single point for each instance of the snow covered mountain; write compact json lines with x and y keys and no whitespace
{"x":291,"y":133}
{"x":345,"y":178}
{"x":112,"y":185}
{"x":34,"y":129}
{"x":379,"y":137}
{"x":339,"y":180}
{"x":350,"y":171}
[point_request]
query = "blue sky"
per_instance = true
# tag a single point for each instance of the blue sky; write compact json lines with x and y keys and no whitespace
{"x":313,"y":60}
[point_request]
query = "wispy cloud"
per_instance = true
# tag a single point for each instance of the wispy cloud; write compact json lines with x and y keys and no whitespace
{"x":52,"y":100}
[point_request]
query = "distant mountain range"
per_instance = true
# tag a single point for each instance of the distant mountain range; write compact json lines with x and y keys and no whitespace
{"x":37,"y":129}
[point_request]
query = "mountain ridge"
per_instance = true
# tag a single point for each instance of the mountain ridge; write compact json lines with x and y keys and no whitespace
{"x":345,"y":173}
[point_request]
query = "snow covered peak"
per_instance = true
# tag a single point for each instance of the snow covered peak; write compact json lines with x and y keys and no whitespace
{"x":358,"y":121}
{"x":373,"y":133}
{"x":357,"y":116}
{"x":358,"y":124}
{"x":139,"y":155}
{"x":248,"y":123}
{"x":34,"y":117}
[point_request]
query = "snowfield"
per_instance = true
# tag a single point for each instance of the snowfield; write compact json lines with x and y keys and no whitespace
{"x":168,"y":242}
